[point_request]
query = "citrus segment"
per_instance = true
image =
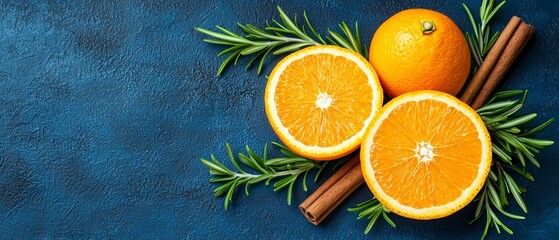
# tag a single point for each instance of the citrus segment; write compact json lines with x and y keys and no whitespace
{"x":320,"y":100}
{"x":426,"y":155}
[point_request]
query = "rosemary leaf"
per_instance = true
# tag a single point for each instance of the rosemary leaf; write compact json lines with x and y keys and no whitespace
{"x":372,"y":209}
{"x":516,"y":122}
{"x":538,"y":128}
{"x":495,"y":106}
{"x":505,"y":94}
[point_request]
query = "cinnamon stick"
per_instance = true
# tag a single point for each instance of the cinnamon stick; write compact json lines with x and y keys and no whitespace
{"x":490,"y":60}
{"x":513,"y":49}
{"x":507,"y":47}
{"x":336,"y":189}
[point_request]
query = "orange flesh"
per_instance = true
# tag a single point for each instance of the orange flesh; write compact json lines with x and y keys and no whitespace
{"x":423,"y":184}
{"x":305,"y":79}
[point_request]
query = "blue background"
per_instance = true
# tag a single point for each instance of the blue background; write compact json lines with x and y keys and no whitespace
{"x":106,"y":108}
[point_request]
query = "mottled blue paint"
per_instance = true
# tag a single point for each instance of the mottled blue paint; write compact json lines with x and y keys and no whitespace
{"x":106,"y":108}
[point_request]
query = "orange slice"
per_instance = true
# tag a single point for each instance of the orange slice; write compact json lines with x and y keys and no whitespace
{"x":321,"y":99}
{"x":426,"y":155}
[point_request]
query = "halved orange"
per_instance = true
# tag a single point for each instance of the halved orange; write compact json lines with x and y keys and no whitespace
{"x":321,"y":99}
{"x":426,"y":155}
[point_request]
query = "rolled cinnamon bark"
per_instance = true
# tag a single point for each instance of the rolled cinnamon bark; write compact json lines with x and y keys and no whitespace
{"x":490,"y":60}
{"x":336,"y":189}
{"x":522,"y":35}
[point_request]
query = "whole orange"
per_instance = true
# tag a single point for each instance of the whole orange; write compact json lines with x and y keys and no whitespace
{"x":420,"y":49}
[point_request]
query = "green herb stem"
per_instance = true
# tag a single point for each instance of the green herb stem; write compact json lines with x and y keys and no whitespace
{"x":278,"y":38}
{"x":480,"y":42}
{"x":287,"y":169}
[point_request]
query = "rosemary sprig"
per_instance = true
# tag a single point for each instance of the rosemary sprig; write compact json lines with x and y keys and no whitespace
{"x":479,"y":42}
{"x":278,"y":38}
{"x":511,"y":146}
{"x":287,"y":168}
{"x":372,"y":209}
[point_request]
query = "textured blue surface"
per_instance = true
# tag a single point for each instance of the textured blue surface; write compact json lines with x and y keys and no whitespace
{"x":106,"y":108}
